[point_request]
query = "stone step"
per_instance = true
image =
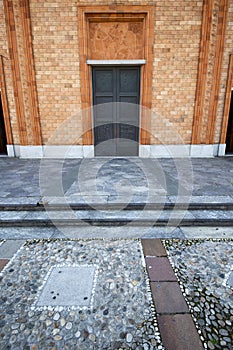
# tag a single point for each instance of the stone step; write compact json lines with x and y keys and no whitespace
{"x":116,"y":206}
{"x":102,"y":202}
{"x":20,"y":218}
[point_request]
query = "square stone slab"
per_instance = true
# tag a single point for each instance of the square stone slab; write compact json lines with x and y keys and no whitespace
{"x":3,"y":263}
{"x":168,"y":298}
{"x":159,"y":269}
{"x":179,"y":332}
{"x":68,"y":286}
{"x":10,"y":247}
{"x":153,"y":247}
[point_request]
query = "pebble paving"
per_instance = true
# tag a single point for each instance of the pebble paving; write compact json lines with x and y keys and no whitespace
{"x":203,"y":268}
{"x":122,"y":315}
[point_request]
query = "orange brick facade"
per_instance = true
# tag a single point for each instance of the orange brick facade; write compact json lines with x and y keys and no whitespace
{"x":186,"y":81}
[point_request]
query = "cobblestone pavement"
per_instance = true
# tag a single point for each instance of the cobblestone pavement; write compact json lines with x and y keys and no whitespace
{"x":204,"y":269}
{"x":121,"y":316}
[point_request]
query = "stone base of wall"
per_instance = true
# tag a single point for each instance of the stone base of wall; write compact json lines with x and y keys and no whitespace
{"x":145,"y":151}
{"x":50,"y":151}
{"x":182,"y":151}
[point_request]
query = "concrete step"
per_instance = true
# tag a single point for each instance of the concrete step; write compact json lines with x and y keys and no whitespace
{"x":121,"y":202}
{"x":51,"y":217}
{"x":117,"y":206}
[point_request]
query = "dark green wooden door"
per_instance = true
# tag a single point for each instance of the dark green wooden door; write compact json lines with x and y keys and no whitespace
{"x":116,"y":97}
{"x":229,"y":138}
{"x":2,"y":130}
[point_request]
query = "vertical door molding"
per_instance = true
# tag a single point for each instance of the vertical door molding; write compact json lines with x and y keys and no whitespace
{"x":85,"y":78}
{"x":207,"y":18}
{"x":227,"y":102}
{"x":146,"y":78}
{"x":5,"y":106}
{"x":30,"y":72}
{"x":219,"y":51}
{"x":15,"y":68}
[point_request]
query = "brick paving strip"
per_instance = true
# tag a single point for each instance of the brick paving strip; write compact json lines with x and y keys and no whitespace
{"x":175,"y":322}
{"x":3,"y":263}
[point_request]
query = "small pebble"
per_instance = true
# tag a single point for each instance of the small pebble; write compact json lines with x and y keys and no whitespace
{"x":69,"y":325}
{"x":129,"y":337}
{"x":63,"y":322}
{"x":58,"y":337}
{"x":211,"y":345}
{"x":56,"y":316}
{"x":55,"y":331}
{"x":78,"y":334}
{"x":223,"y":332}
{"x":92,"y":337}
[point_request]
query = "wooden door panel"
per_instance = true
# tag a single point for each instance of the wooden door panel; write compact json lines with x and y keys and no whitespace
{"x":127,"y":131}
{"x":229,"y":138}
{"x":2,"y":131}
{"x":104,"y":111}
{"x":128,"y":80}
{"x":116,"y":124}
{"x":104,"y":81}
{"x":127,"y":148}
{"x":128,"y":110}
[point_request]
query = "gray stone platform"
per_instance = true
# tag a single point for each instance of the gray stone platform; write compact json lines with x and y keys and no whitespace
{"x":115,"y":178}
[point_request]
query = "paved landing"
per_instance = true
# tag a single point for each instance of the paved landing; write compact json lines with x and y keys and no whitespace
{"x":108,"y":179}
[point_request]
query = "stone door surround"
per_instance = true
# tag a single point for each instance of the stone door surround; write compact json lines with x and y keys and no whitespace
{"x":116,"y":32}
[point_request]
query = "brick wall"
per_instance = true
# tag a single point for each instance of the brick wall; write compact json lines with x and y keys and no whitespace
{"x":177,"y":37}
{"x":177,"y":32}
{"x":176,"y":52}
{"x":4,"y":46}
{"x":55,"y":33}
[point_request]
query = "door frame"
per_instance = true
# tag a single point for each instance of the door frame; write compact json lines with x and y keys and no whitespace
{"x":5,"y":106}
{"x":143,"y":13}
{"x":230,"y":120}
{"x":3,"y":137}
{"x":227,"y":102}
